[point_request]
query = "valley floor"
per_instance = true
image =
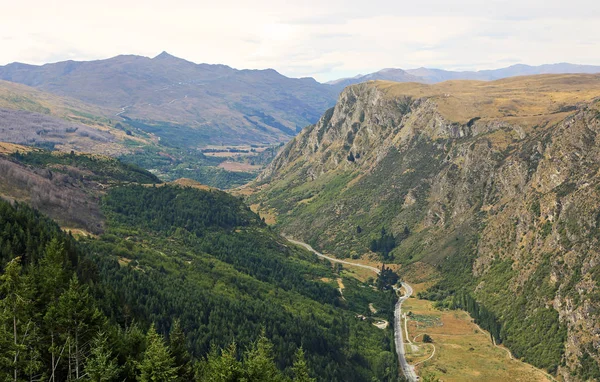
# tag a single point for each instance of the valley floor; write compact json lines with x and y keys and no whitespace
{"x":463,"y":352}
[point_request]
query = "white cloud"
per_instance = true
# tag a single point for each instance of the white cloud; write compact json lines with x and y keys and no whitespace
{"x":312,"y":38}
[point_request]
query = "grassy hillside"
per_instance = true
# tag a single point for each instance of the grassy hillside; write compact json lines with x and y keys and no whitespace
{"x":521,"y":100}
{"x":45,"y":120}
{"x":487,"y":187}
{"x":32,"y":117}
{"x":177,"y":100}
{"x":67,"y":187}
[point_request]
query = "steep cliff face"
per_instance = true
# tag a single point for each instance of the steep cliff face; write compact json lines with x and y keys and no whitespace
{"x":494,"y":188}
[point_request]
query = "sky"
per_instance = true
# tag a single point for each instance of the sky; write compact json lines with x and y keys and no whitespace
{"x":326,"y":39}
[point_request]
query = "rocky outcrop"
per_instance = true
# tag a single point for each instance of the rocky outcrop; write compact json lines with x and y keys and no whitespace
{"x":503,"y":204}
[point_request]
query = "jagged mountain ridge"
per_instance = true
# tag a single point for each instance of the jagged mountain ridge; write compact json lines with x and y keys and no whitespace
{"x":225,"y":105}
{"x":497,"y":183}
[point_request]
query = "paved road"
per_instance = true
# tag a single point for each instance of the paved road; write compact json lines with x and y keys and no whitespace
{"x":407,"y":369}
{"x":376,"y":270}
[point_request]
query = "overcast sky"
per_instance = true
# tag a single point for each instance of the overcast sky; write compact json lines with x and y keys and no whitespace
{"x":325,"y":39}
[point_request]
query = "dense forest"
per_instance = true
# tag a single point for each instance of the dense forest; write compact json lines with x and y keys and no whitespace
{"x":184,"y":284}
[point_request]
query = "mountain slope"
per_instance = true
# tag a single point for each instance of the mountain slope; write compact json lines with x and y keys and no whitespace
{"x":65,"y":187}
{"x":35,"y":118}
{"x":32,"y":117}
{"x":427,"y":75}
{"x":489,"y":187}
{"x":169,"y":253}
{"x":225,"y":281}
{"x":220,"y":104}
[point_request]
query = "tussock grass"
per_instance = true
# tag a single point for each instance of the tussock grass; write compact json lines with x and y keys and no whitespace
{"x":526,"y":100}
{"x":463,"y":351}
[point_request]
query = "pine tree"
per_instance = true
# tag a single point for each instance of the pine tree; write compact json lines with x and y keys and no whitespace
{"x":131,"y":345}
{"x":180,"y":352}
{"x":77,"y":318}
{"x":259,"y":363}
{"x":50,"y":278}
{"x":53,"y":267}
{"x":300,"y":368}
{"x":6,"y":344}
{"x":158,"y":364}
{"x":101,"y":366}
{"x":34,"y":364}
{"x":16,"y":307}
{"x":220,"y":366}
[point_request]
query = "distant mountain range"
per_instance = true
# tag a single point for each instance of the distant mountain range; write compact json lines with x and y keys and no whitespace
{"x":192,"y":105}
{"x":390,"y":74}
{"x":426,"y":75}
{"x":212,"y":104}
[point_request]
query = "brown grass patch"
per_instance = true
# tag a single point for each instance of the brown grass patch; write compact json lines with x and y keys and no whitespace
{"x":361,"y":274}
{"x":185,"y":182}
{"x":238,"y":167}
{"x":244,"y":190}
{"x":123,"y":261}
{"x":526,"y":101}
{"x":419,"y":273}
{"x":269,"y":214}
{"x":10,"y":148}
{"x":420,"y":287}
{"x":463,"y":351}
{"x":77,"y":232}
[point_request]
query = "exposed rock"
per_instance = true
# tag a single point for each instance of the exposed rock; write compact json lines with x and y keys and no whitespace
{"x":509,"y":190}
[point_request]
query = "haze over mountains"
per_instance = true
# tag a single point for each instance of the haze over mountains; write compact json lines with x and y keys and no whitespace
{"x":428,"y":75}
{"x":220,"y":104}
{"x":216,"y":104}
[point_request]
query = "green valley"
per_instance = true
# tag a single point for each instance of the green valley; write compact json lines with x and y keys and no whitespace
{"x":62,"y":124}
{"x":314,"y":191}
{"x":177,"y":273}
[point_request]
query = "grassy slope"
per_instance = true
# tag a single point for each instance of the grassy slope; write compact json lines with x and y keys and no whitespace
{"x":463,"y":352}
{"x":65,"y":187}
{"x":81,"y":127}
{"x":20,"y":97}
{"x":519,"y":100}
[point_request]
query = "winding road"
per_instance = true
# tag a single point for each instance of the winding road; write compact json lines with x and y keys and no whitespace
{"x":376,"y":270}
{"x":407,"y":369}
